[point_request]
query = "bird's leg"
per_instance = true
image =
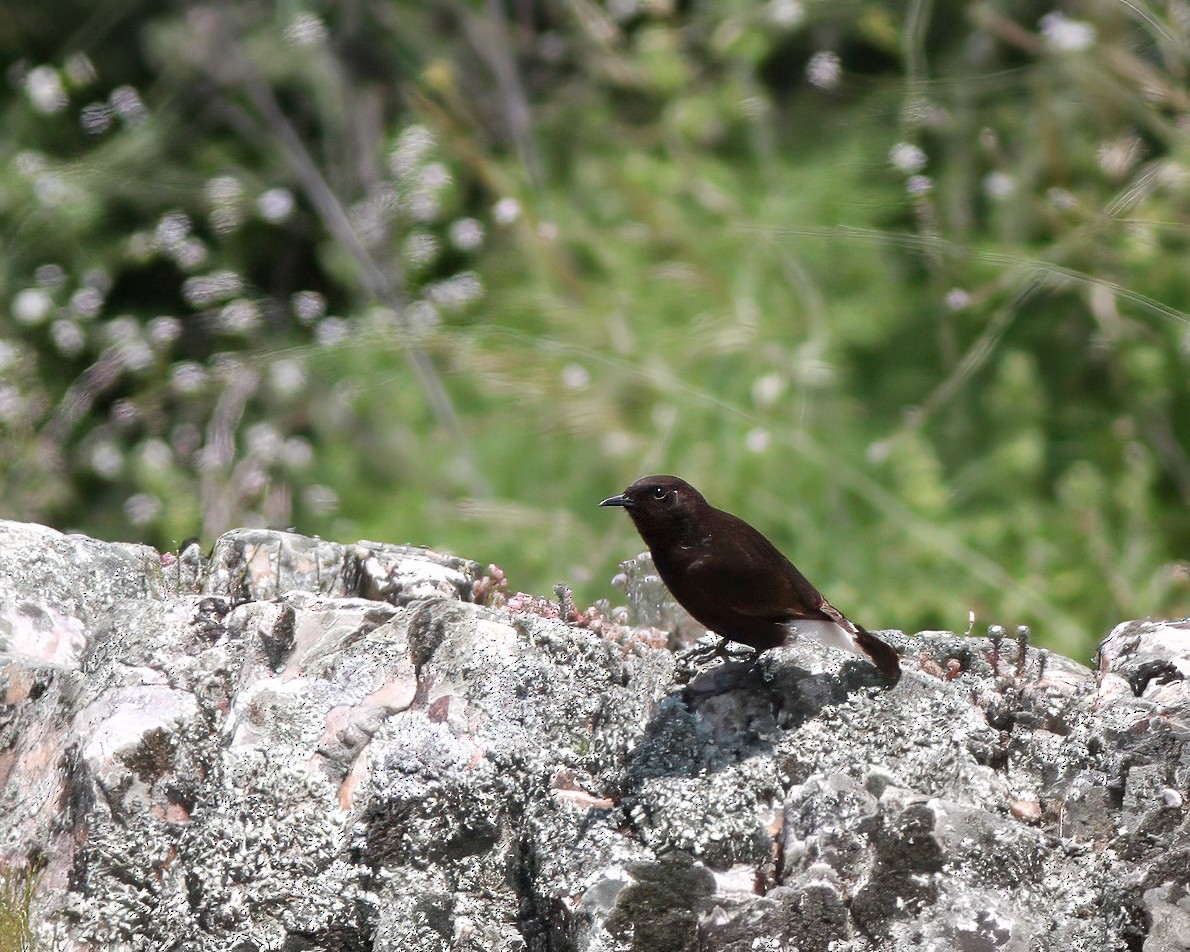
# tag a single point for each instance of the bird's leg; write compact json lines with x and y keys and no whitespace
{"x":718,"y":649}
{"x":738,"y":654}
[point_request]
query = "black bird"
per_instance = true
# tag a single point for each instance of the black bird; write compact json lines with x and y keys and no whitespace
{"x":732,"y":579}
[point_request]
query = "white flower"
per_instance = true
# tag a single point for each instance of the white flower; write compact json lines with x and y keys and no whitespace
{"x":575,"y":377}
{"x":13,"y":405}
{"x":1118,"y":156}
{"x":86,"y":302}
{"x":79,"y":69}
{"x":223,"y":190}
{"x":54,"y":191}
{"x":1065,"y":35}
{"x":68,"y":337}
{"x":275,"y":205}
{"x":29,"y":163}
{"x":121,"y":330}
{"x":435,"y":176}
{"x":128,"y":105}
{"x":240,"y":316}
{"x":466,"y":234}
{"x":44,"y":88}
{"x":413,"y":145}
{"x":31,"y":306}
{"x":957,"y":299}
{"x":51,"y":275}
{"x":206,"y":289}
{"x":189,"y":254}
{"x":98,"y":278}
{"x":786,"y":13}
{"x":188,"y":377}
{"x":423,"y":205}
{"x":164,"y":330}
{"x":106,"y":459}
{"x":456,"y":291}
{"x":308,"y":306}
{"x":331,"y":330}
{"x":998,"y":185}
{"x":1061,"y":199}
{"x":305,"y":29}
{"x":224,"y":193}
{"x":919,"y":185}
{"x":264,"y":441}
{"x":288,"y":377}
{"x":422,"y":315}
{"x":825,"y":69}
{"x":758,"y":440}
{"x":155,"y":455}
{"x":297,"y":452}
{"x":135,"y":355}
{"x":907,"y":157}
{"x":142,"y":508}
{"x":320,"y":499}
{"x":506,"y":211}
{"x":172,"y":230}
{"x":767,"y":389}
{"x":420,"y":248}
{"x":96,"y":118}
{"x":879,"y":451}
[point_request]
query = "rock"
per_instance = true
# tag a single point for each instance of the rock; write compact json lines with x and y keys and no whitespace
{"x":294,"y":744}
{"x":1149,"y":661}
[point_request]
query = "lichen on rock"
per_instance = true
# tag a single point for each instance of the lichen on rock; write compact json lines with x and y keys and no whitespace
{"x":295,"y":744}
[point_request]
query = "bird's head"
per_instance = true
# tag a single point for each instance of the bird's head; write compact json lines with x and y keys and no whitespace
{"x":661,"y":506}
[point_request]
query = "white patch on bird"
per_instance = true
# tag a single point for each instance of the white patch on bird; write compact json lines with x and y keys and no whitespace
{"x":828,"y":633}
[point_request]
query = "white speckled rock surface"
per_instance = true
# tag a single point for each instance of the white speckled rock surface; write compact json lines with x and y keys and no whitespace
{"x":293,"y":744}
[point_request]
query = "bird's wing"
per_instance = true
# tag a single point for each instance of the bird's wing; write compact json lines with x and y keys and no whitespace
{"x":829,"y":611}
{"x":738,"y":568}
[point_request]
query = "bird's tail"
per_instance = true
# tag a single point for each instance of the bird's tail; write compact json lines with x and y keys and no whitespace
{"x":836,"y":630}
{"x":880,"y":653}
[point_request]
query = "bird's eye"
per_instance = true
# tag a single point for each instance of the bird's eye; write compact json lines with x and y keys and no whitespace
{"x":658,"y":492}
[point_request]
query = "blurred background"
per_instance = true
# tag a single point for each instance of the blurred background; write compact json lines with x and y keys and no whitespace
{"x":903,"y":284}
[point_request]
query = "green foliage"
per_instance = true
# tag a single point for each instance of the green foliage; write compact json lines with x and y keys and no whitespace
{"x":901,"y":284}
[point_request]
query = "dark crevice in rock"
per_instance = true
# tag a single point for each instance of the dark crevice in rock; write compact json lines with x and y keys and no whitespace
{"x":1160,"y":671}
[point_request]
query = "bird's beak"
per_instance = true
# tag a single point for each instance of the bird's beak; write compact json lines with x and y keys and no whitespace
{"x":620,"y":500}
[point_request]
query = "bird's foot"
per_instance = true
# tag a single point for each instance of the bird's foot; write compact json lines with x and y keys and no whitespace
{"x":718,"y":649}
{"x":738,"y":662}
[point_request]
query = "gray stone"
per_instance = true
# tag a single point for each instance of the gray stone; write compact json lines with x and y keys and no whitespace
{"x":294,"y":744}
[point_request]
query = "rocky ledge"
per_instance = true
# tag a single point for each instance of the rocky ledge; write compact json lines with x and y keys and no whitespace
{"x":292,"y":744}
